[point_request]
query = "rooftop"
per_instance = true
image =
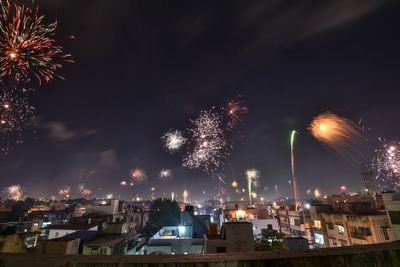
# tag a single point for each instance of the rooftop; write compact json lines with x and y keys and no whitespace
{"x":71,"y":226}
{"x":106,"y":241}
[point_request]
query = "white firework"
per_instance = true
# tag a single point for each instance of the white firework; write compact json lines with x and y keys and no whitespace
{"x":14,"y":192}
{"x":173,"y":141}
{"x":209,"y":145}
{"x":165,"y":174}
{"x":387,"y":166}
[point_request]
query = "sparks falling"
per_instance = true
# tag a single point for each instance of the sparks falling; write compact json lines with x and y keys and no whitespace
{"x":173,"y":141}
{"x":16,"y":116}
{"x":16,"y":113}
{"x":252,"y":177}
{"x":338,"y":133}
{"x":234,"y":110}
{"x":386,"y":164}
{"x":209,"y":143}
{"x":27,"y":45}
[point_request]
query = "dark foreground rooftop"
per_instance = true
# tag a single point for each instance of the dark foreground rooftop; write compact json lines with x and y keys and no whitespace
{"x":381,"y":255}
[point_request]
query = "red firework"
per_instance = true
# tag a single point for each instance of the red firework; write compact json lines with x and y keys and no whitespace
{"x":235,"y":109}
{"x":27,"y":45}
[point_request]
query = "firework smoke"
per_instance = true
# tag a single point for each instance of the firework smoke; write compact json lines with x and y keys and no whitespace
{"x":173,"y":141}
{"x":27,"y":44}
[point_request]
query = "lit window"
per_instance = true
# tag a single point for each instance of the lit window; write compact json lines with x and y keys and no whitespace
{"x":340,"y":229}
{"x":317,"y":223}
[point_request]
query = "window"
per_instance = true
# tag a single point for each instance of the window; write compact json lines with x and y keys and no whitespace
{"x":330,"y":226}
{"x":343,"y":243}
{"x":340,"y":229}
{"x":385,"y":233}
{"x":317,"y":224}
{"x":221,"y":249}
{"x":292,"y":222}
{"x":360,"y":232}
{"x":332,"y":241}
{"x":103,"y":251}
{"x":94,"y":251}
{"x":319,"y":239}
{"x":57,"y":234}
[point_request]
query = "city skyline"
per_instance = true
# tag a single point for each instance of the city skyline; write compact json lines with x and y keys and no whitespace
{"x":142,"y":70}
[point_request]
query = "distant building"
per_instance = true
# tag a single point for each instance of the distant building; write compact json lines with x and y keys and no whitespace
{"x":354,"y":224}
{"x":233,"y":237}
{"x":173,"y":240}
{"x":116,"y":208}
{"x":392,"y":208}
{"x":106,"y":245}
{"x":296,"y":243}
{"x":262,"y":224}
{"x":59,"y":246}
{"x":57,"y":231}
{"x":296,"y":223}
{"x":197,"y":224}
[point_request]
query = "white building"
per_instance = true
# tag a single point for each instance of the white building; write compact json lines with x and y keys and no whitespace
{"x":173,"y":240}
{"x":261,"y":224}
{"x":57,"y":231}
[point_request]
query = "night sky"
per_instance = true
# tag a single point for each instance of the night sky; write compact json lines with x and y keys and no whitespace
{"x":145,"y":67}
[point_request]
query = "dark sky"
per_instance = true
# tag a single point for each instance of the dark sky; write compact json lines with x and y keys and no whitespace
{"x":144,"y":67}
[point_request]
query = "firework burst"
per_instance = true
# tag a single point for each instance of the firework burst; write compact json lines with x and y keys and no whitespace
{"x":64,"y":191}
{"x":253,"y":179}
{"x":14,"y":192}
{"x":209,"y":143}
{"x":386,"y":164}
{"x":86,"y":192}
{"x":338,"y":133}
{"x":27,"y":44}
{"x":165,"y":174}
{"x":15,"y":112}
{"x":138,"y":175}
{"x":173,"y":141}
{"x":234,"y":110}
{"x":16,"y":115}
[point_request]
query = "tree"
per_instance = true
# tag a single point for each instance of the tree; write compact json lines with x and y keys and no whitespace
{"x":164,"y":212}
{"x":271,"y":240}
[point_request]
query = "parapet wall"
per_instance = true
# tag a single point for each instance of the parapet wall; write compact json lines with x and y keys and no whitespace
{"x":382,"y":255}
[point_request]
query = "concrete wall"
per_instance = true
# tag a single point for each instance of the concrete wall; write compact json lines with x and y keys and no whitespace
{"x":382,"y":255}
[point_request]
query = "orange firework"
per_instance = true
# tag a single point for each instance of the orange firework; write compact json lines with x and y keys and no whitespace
{"x":338,"y":133}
